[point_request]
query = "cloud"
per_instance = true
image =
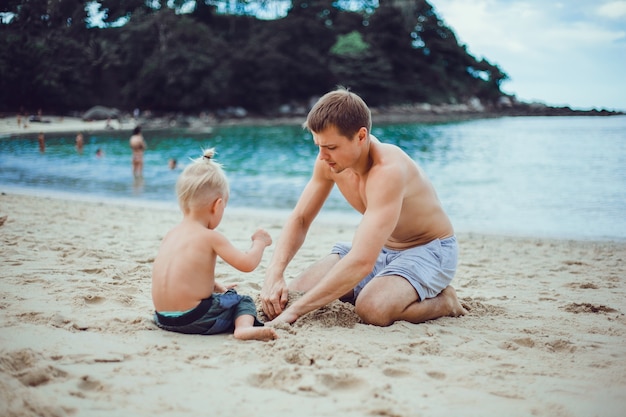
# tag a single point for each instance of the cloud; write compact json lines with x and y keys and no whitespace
{"x":526,"y":26}
{"x":613,"y":10}
{"x":555,"y":52}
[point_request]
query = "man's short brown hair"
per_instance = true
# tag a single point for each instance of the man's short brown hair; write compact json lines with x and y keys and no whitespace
{"x":342,"y":109}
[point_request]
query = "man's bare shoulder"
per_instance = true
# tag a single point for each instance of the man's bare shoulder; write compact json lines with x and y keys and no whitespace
{"x":388,"y":154}
{"x":391,"y":162}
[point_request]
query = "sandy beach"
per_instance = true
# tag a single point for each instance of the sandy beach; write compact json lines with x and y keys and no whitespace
{"x":545,"y":336}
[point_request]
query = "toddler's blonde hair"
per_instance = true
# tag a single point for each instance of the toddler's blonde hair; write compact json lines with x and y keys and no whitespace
{"x":202,"y":182}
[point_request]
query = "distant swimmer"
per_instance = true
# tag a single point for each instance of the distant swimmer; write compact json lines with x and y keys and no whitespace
{"x":138,"y":146}
{"x":80,"y":142}
{"x":42,"y":142}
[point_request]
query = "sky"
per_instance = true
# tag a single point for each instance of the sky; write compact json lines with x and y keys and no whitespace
{"x":556,"y":52}
{"x":560,"y":53}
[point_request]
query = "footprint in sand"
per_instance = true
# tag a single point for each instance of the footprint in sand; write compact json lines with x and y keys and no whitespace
{"x":515,"y":344}
{"x":587,"y":308}
{"x":583,"y":285}
{"x":436,"y":375}
{"x":477,"y":308}
{"x":340,"y":381}
{"x":24,"y":365}
{"x":317,"y":384}
{"x":93,"y":271}
{"x":38,"y":376}
{"x":93,"y":299}
{"x":561,"y":346}
{"x":285,"y":378}
{"x":395,"y":372}
{"x":88,"y":383}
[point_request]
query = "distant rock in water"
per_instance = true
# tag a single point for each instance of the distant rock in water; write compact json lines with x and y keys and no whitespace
{"x":101,"y":113}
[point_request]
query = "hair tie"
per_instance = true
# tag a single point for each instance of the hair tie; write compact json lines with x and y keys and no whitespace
{"x":208,"y":154}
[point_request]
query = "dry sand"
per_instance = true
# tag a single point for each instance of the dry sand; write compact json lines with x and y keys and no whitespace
{"x":546,"y":334}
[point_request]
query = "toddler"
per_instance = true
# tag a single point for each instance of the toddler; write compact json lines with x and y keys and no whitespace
{"x":186,"y":297}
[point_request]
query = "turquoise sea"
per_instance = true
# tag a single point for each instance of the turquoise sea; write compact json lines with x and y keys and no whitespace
{"x":562,"y":177}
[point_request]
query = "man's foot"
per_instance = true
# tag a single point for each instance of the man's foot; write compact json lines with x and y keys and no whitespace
{"x":455,"y":308}
{"x":256,"y":333}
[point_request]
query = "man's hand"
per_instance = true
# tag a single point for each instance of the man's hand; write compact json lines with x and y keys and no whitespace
{"x":285,"y":317}
{"x":274,"y":297}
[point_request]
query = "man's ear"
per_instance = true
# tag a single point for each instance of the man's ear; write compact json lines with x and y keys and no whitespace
{"x":362,"y":134}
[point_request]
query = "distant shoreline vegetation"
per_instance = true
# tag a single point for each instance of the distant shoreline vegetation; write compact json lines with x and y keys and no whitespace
{"x":418,"y":113}
{"x":217,"y":55}
{"x":204,"y":123}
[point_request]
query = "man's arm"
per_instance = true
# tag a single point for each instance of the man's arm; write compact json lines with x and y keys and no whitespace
{"x":384,"y":193}
{"x":274,"y":295}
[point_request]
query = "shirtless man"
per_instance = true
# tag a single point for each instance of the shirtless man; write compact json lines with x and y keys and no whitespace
{"x":404,"y":253}
{"x":138,"y":146}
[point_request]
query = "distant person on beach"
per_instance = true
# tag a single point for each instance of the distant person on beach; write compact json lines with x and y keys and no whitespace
{"x":42,"y":142}
{"x":80,"y":142}
{"x":403,"y":256}
{"x":186,"y":297}
{"x":138,"y":147}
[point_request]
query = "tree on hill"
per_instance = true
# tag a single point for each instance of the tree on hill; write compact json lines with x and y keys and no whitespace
{"x":194,"y":55}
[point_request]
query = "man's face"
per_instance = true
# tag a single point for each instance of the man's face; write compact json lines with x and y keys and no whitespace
{"x":338,"y":151}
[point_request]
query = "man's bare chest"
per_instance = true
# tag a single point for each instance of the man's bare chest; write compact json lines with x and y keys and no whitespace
{"x":352,"y":187}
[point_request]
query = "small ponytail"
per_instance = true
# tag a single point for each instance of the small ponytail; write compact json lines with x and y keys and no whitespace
{"x":207,"y":157}
{"x":208,"y":154}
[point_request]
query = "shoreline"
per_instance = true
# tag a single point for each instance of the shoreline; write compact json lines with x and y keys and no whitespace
{"x":77,"y":336}
{"x":326,"y":217}
{"x":58,"y":125}
{"x":418,"y":113}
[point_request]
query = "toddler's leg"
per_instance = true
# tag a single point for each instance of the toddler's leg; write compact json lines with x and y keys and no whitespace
{"x":245,"y":330}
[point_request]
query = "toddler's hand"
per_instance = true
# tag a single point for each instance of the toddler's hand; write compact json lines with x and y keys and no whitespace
{"x":263,"y":236}
{"x":219,"y":288}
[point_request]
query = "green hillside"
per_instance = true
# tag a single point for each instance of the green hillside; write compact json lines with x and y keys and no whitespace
{"x":208,"y":55}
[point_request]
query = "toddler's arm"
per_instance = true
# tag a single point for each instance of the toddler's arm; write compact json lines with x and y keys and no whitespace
{"x":243,"y":261}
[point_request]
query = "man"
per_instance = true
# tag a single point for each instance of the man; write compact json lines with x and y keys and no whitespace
{"x":404,"y":252}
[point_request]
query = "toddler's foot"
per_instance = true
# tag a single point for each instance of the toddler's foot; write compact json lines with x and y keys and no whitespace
{"x":256,"y":333}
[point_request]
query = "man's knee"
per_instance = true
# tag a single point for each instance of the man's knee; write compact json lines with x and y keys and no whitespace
{"x":374,"y":311}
